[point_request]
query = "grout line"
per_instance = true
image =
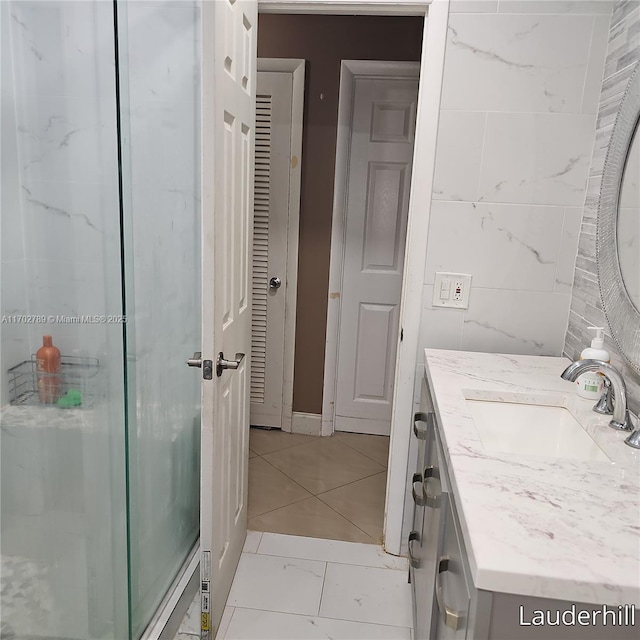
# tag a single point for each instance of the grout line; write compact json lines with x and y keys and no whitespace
{"x":379,"y":624}
{"x":260,"y":541}
{"x":306,"y":616}
{"x":349,"y":521}
{"x":588,"y":65}
{"x":259,"y":515}
{"x":324,"y":581}
{"x":288,"y":477}
{"x":315,"y":495}
{"x":346,"y":444}
{"x":371,"y":475}
{"x":346,"y":564}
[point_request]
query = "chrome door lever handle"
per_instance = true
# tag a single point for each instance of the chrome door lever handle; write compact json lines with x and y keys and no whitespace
{"x":222,"y":364}
{"x":196,"y":360}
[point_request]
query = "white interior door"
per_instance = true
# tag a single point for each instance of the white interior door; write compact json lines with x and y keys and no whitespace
{"x":270,"y":250}
{"x":228,"y":114}
{"x":377,"y":203}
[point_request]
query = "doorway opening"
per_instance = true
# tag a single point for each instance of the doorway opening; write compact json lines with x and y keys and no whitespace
{"x":357,"y":147}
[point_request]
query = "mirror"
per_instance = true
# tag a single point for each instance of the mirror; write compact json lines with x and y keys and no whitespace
{"x":628,"y":229}
{"x":618,"y":227}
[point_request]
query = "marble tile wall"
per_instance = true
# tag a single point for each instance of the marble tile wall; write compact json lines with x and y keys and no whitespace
{"x":62,"y":172}
{"x":519,"y":103}
{"x":14,"y":338}
{"x":623,"y":53}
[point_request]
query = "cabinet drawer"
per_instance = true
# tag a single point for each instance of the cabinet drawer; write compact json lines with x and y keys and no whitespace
{"x":452,"y":587}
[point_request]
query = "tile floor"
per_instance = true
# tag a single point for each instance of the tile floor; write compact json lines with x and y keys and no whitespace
{"x":331,"y":487}
{"x":301,"y":588}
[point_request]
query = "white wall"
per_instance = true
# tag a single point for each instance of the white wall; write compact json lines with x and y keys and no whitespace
{"x":517,"y":120}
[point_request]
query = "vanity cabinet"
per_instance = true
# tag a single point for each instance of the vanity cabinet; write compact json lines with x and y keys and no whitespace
{"x":446,"y":602}
{"x":426,"y":492}
{"x":452,"y":589}
{"x":440,"y":582}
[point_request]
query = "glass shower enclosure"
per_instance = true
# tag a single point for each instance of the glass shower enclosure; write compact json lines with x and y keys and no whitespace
{"x":99,"y":249}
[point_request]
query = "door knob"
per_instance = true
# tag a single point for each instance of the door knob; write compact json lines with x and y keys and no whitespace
{"x":222,"y":364}
{"x":275,"y":283}
{"x":196,"y":360}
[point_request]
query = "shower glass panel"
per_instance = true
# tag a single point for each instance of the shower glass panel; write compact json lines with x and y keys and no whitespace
{"x":63,"y":511}
{"x":158,"y":47}
{"x":99,"y":248}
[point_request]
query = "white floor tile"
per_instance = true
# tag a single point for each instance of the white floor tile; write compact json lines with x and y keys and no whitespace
{"x":252,"y":542}
{"x":248,"y":624}
{"x":227,"y":614}
{"x":367,"y":594}
{"x":277,"y":584}
{"x":369,"y":555}
{"x":191,"y":620}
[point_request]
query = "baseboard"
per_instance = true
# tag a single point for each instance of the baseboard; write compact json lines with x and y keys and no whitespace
{"x":308,"y":424}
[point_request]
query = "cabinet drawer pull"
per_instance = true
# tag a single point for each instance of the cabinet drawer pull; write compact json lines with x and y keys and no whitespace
{"x":420,"y":431}
{"x":451,"y":618}
{"x":413,"y":561}
{"x":428,"y":499}
{"x":418,"y":498}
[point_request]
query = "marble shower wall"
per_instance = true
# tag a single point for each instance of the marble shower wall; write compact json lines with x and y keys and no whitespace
{"x":517,"y":120}
{"x":13,"y":337}
{"x":60,"y":230}
{"x":623,"y":53}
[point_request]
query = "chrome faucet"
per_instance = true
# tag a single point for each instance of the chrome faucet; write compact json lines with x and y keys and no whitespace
{"x":605,"y":405}
{"x":620,"y":419}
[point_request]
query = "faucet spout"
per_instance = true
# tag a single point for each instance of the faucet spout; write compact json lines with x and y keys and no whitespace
{"x":620,"y":419}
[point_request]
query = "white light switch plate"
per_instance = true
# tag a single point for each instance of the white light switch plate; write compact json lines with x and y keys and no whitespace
{"x":451,"y":290}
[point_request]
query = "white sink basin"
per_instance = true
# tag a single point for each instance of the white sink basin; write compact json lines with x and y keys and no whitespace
{"x":532,"y":429}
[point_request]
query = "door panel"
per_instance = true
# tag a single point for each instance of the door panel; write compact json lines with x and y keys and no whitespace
{"x":383,"y":217}
{"x":229,"y":54}
{"x":271,"y":215}
{"x":379,"y":176}
{"x":376,"y":324}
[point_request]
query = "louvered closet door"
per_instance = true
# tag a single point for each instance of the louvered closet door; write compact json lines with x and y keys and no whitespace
{"x":271,"y":206}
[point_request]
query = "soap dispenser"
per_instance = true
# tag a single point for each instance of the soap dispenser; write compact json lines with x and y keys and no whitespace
{"x":591,"y":384}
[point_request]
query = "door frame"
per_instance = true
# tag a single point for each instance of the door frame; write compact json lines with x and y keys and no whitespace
{"x":295,"y":67}
{"x":350,"y":71}
{"x":405,"y":400}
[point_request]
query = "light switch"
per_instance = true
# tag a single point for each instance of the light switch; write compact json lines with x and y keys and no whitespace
{"x":445,"y":289}
{"x":451,"y":290}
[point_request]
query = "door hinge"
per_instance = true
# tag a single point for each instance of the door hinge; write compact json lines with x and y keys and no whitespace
{"x":401,"y":334}
{"x":207,"y":369}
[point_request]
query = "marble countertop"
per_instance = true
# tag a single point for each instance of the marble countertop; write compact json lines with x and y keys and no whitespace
{"x":547,"y":527}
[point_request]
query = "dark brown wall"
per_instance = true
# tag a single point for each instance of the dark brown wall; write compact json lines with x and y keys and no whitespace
{"x":323,"y":41}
